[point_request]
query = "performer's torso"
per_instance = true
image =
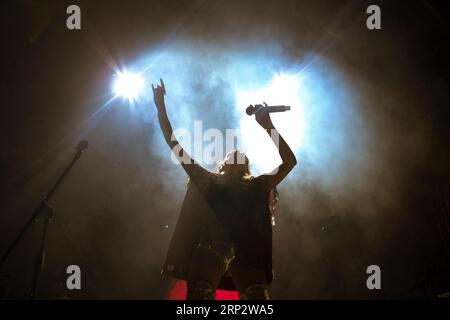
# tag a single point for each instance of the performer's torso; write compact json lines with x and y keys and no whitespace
{"x":233,"y":206}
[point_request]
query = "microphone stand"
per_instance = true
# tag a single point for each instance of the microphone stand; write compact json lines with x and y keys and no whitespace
{"x":45,"y":211}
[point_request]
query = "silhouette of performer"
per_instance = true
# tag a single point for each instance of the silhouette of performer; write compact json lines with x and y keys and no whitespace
{"x":223,"y":237}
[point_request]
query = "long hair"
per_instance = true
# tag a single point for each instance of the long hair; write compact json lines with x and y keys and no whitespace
{"x":273,"y":194}
{"x":234,"y":155}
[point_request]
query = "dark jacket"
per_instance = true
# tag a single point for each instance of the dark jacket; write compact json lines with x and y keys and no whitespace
{"x":205,"y":213}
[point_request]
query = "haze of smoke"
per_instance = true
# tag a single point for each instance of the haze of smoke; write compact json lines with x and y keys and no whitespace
{"x":121,"y":205}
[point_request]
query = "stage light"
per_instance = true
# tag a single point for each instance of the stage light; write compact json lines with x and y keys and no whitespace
{"x":128,"y":85}
{"x":283,"y":89}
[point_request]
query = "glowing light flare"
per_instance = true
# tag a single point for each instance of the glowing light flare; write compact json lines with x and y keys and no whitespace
{"x":284,"y":89}
{"x":128,"y":85}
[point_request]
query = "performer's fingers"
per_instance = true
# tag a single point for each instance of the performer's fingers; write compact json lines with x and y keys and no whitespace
{"x":153,"y":88}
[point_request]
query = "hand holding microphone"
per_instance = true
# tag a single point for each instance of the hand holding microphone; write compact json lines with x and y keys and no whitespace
{"x":262,"y":113}
{"x":265,"y":108}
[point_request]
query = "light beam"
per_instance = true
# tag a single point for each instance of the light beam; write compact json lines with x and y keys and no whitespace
{"x":283,"y":89}
{"x":128,"y":85}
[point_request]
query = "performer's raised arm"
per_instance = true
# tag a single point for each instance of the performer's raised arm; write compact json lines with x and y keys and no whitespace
{"x":269,"y":181}
{"x":195,"y":171}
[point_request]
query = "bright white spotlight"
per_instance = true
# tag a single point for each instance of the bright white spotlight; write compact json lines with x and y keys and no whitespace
{"x":284,"y":89}
{"x":128,"y":85}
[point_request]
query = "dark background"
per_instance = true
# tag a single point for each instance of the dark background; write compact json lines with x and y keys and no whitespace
{"x":113,"y":208}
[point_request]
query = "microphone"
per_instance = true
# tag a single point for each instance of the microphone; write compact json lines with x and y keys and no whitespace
{"x":83,"y":145}
{"x":254,"y":109}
